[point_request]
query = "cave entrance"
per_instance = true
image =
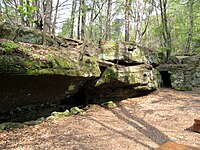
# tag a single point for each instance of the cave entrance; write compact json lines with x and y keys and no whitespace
{"x":78,"y":99}
{"x":166,"y":79}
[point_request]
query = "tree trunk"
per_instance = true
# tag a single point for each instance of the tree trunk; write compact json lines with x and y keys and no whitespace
{"x":83,"y":20}
{"x":16,"y":11}
{"x":100,"y":28}
{"x":165,"y":31}
{"x":166,"y":25}
{"x":137,"y":22}
{"x":28,"y":16}
{"x":55,"y":18}
{"x":79,"y":20}
{"x":72,"y":18}
{"x":37,"y":17}
{"x":39,"y":9}
{"x":21,"y":15}
{"x":127,"y":19}
{"x":0,"y":9}
{"x":187,"y":49}
{"x":108,"y":20}
{"x":158,"y":25}
{"x":47,"y":7}
{"x":163,"y":23}
{"x":91,"y":20}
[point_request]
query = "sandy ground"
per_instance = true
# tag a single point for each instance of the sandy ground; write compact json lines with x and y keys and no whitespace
{"x":135,"y":124}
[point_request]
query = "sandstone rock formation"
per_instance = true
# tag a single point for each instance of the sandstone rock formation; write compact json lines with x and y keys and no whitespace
{"x":37,"y":68}
{"x":34,"y":74}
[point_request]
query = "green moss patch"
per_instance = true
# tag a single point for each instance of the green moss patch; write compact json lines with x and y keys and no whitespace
{"x":109,"y":104}
{"x":30,"y":59}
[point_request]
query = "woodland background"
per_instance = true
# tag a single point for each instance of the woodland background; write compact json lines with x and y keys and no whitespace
{"x":171,"y":26}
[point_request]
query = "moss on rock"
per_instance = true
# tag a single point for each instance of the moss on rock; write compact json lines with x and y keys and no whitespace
{"x":109,"y":104}
{"x":76,"y":110}
{"x":21,"y":58}
{"x":10,"y":125}
{"x":131,"y":75}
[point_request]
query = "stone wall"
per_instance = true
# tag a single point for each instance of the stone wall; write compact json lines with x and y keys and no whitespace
{"x":184,"y":72}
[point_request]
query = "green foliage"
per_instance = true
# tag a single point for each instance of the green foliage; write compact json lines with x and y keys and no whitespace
{"x":164,"y":49}
{"x":180,"y":24}
{"x":27,"y":10}
{"x":197,"y":45}
{"x":8,"y":47}
{"x":116,"y":28}
{"x":66,"y":28}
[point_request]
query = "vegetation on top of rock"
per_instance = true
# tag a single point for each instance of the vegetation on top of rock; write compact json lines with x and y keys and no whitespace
{"x":30,"y":59}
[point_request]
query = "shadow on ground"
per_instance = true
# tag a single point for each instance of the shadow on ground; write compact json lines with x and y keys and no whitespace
{"x":146,"y":129}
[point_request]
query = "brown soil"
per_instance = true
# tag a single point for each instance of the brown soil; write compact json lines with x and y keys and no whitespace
{"x":135,"y":124}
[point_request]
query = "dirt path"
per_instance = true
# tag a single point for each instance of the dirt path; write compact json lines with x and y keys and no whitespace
{"x":135,"y":124}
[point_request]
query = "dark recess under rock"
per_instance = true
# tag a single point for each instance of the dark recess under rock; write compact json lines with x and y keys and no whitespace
{"x":165,"y":75}
{"x":23,"y":90}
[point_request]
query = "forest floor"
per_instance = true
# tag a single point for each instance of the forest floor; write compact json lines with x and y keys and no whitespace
{"x":134,"y":124}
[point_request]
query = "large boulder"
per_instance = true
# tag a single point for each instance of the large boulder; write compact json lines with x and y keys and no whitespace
{"x":125,"y":72}
{"x":155,"y":58}
{"x":119,"y":82}
{"x":34,"y":74}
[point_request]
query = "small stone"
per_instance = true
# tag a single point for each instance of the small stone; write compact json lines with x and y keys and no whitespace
{"x":60,"y":114}
{"x":173,"y":139}
{"x":12,"y":125}
{"x":2,"y":126}
{"x":51,"y":118}
{"x":30,"y":123}
{"x":76,"y":110}
{"x":109,"y":104}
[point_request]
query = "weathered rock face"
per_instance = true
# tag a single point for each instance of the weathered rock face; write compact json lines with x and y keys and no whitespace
{"x":184,"y":73}
{"x":22,"y":34}
{"x":119,"y":82}
{"x":155,"y":58}
{"x":140,"y":76}
{"x":126,"y":52}
{"x":23,"y":90}
{"x":126,"y":72}
{"x":19,"y":33}
{"x":33,"y":74}
{"x":28,"y":59}
{"x":38,"y":68}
